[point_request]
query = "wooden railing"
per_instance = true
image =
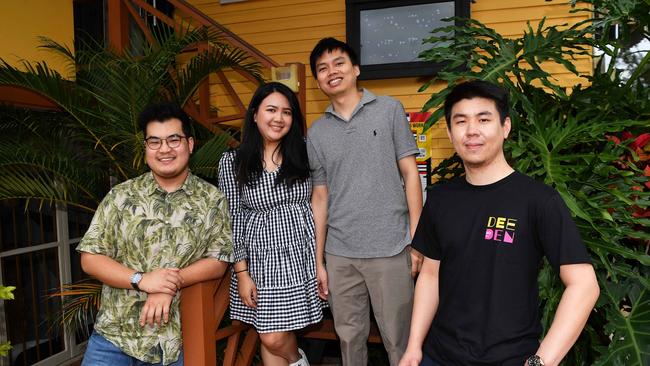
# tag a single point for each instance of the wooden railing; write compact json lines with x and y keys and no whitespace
{"x":203,"y":307}
{"x":184,"y":15}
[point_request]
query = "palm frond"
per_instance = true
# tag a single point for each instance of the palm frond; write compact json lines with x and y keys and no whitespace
{"x":217,"y":58}
{"x":71,"y":156}
{"x":206,"y":160}
{"x":80,"y":302}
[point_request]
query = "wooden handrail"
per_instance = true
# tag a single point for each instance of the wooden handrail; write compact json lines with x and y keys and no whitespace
{"x":155,"y":12}
{"x":203,"y":307}
{"x":119,"y":10}
{"x":198,"y":324}
{"x":26,"y":98}
{"x":231,"y":37}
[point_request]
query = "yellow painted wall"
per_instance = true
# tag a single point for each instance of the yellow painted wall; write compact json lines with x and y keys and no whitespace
{"x":287,"y":30}
{"x":23,"y":21}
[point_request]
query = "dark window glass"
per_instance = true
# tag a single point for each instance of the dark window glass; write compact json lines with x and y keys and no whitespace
{"x":28,"y":316}
{"x":25,"y":224}
{"x":78,"y":221}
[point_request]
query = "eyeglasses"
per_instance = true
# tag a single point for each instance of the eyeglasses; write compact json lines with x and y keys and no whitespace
{"x":155,"y":143}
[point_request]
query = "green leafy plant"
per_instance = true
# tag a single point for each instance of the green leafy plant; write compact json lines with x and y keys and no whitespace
{"x":74,"y":155}
{"x":70,"y":157}
{"x":80,"y":301}
{"x":573,"y":139}
{"x":6,"y":293}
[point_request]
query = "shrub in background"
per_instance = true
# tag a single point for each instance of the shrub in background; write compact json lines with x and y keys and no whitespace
{"x":590,"y":142}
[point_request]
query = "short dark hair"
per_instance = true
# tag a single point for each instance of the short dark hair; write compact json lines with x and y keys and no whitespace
{"x":330,"y":44}
{"x":161,"y":112}
{"x":248,"y":161}
{"x":478,"y":89}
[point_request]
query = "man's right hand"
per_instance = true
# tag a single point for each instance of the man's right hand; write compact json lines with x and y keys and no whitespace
{"x":411,"y":357}
{"x":161,"y":280}
{"x":321,"y":280}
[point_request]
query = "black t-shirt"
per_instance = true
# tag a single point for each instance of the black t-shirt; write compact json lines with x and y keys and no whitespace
{"x":490,"y":241}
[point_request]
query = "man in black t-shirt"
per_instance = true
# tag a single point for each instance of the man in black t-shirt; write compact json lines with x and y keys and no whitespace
{"x":484,"y":236}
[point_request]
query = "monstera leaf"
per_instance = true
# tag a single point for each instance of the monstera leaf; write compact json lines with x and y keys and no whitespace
{"x":577,"y":140}
{"x":629,"y":325}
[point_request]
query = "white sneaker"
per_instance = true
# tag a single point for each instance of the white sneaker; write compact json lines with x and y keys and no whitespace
{"x":302,"y":361}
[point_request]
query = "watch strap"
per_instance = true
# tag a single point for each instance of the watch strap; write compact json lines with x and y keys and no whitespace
{"x":135,"y":280}
{"x":535,"y":360}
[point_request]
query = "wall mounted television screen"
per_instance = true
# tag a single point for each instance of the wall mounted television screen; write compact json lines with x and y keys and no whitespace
{"x":388,"y":35}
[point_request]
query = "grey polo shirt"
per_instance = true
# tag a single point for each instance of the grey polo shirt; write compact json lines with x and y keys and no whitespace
{"x":357,"y":161}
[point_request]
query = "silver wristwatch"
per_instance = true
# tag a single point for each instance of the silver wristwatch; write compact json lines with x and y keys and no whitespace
{"x":535,"y":360}
{"x":135,"y":280}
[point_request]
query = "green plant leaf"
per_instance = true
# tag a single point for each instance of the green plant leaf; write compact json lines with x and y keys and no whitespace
{"x":630,"y":326}
{"x":566,"y":137}
{"x":6,"y":292}
{"x":5,"y":348}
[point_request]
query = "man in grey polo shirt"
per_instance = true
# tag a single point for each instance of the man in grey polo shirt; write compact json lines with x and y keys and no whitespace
{"x":367,"y":201}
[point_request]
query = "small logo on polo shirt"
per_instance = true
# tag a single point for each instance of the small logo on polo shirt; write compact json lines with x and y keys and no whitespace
{"x":501,"y":229}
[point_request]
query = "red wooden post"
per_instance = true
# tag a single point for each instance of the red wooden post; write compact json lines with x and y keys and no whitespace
{"x":118,"y":25}
{"x":198,"y":323}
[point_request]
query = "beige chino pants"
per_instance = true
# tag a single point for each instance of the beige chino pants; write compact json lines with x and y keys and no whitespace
{"x":354,"y":283}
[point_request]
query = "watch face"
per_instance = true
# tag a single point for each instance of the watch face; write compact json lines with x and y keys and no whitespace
{"x":535,"y":360}
{"x":135,"y":279}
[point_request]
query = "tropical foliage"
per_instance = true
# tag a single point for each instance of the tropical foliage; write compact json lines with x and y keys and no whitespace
{"x":80,"y":302}
{"x":6,"y":293}
{"x":74,"y":155}
{"x":590,"y":142}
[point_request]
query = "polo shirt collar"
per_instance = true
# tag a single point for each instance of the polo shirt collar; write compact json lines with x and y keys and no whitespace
{"x":366,"y":98}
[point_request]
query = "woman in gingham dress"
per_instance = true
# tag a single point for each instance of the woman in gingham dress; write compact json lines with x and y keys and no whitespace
{"x":266,"y":181}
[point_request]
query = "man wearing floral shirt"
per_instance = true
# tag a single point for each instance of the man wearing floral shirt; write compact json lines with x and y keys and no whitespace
{"x":150,"y":237}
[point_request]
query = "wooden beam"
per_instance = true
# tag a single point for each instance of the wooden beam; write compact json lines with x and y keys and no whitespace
{"x":231,"y":92}
{"x":231,"y":117}
{"x":223,"y":292}
{"x":248,"y":348}
{"x":190,"y":109}
{"x":20,"y":97}
{"x":140,"y":22}
{"x":230,"y":330}
{"x":155,"y":12}
{"x":248,"y":76}
{"x":198,"y":324}
{"x":118,"y":25}
{"x":230,"y":355}
{"x":325,"y":330}
{"x":184,"y":7}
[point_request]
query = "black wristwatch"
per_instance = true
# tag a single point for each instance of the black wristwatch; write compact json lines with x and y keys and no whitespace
{"x":135,"y":280}
{"x":535,"y":360}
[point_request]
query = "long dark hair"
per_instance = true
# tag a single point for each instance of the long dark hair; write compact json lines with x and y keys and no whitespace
{"x":248,"y":160}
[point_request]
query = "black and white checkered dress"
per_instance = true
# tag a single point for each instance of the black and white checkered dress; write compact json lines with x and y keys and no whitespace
{"x":273,"y":229}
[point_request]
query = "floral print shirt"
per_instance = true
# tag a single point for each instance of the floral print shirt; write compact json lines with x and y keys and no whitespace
{"x":143,"y":227}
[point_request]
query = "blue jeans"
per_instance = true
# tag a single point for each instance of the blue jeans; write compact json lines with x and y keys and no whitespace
{"x":101,"y":352}
{"x":427,"y":361}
